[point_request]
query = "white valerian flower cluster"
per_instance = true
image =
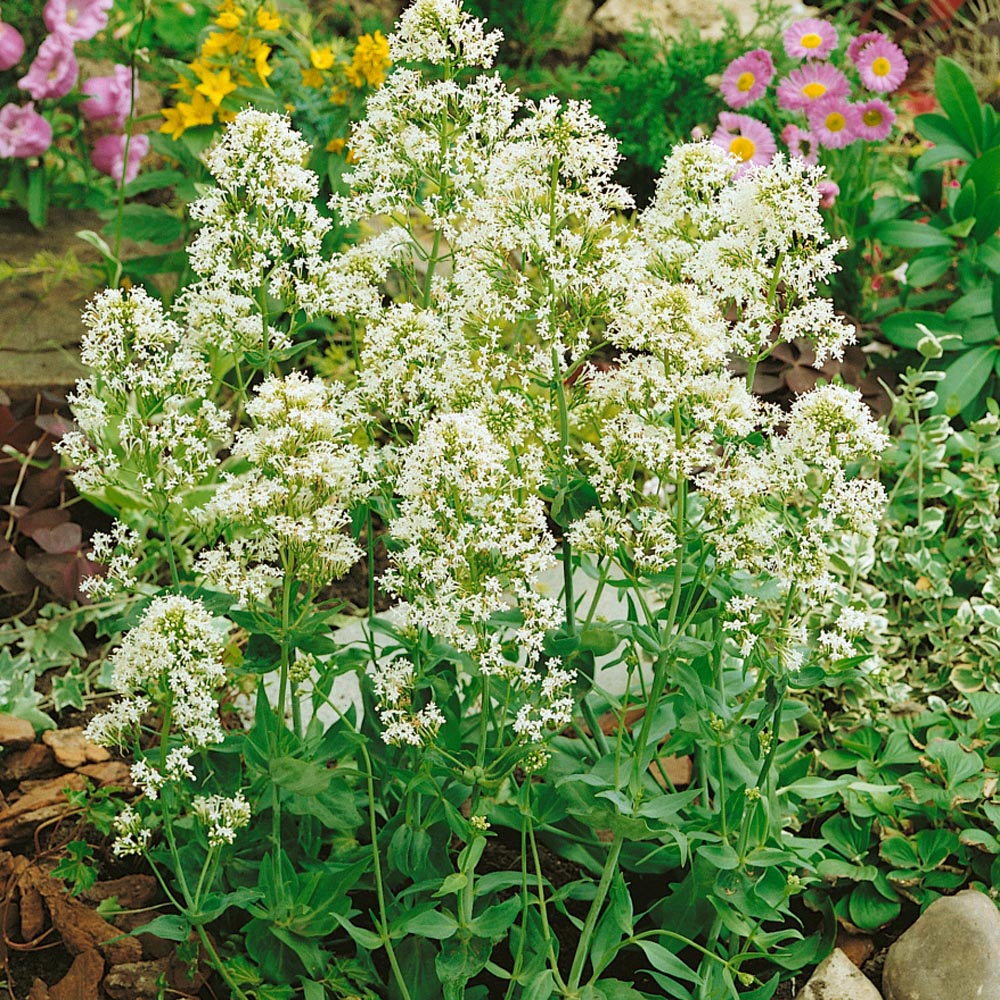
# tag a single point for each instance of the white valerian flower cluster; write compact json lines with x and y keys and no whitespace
{"x":221,"y":816}
{"x":288,"y":513}
{"x":171,"y":659}
{"x":393,"y":682}
{"x":438,"y":30}
{"x":261,"y":235}
{"x":145,"y":424}
{"x":131,"y":836}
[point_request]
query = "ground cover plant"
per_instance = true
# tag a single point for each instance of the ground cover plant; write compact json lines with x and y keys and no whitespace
{"x":603,"y":557}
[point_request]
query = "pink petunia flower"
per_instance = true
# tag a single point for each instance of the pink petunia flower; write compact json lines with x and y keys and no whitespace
{"x":109,"y":96}
{"x":875,"y":120}
{"x":855,"y":45}
{"x":828,"y":191}
{"x":108,"y":155}
{"x":53,"y":71}
{"x":809,"y":83}
{"x":746,"y":79}
{"x":23,"y":131}
{"x":834,"y":122}
{"x":745,"y":138}
{"x":11,"y":46}
{"x":76,"y":20}
{"x":882,"y":66}
{"x":810,"y":39}
{"x":800,"y":143}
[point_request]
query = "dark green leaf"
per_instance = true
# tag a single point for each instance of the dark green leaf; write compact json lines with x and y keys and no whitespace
{"x":169,"y":927}
{"x":911,"y":235}
{"x":303,"y":777}
{"x":869,"y":909}
{"x":964,"y":377}
{"x":959,"y":101}
{"x":429,"y":924}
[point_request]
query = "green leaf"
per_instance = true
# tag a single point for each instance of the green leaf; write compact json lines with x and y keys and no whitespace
{"x":964,"y":377}
{"x":940,"y":130}
{"x":303,"y":777}
{"x":957,"y":763}
{"x":664,"y":960}
{"x":600,"y":641}
{"x":987,"y":217}
{"x":926,"y":268}
{"x":965,"y":204}
{"x":168,"y":927}
{"x":722,"y":856}
{"x":541,"y":987}
{"x":901,"y":328}
{"x":978,"y":302}
{"x":367,"y":939}
{"x":145,"y":223}
{"x":899,"y":851}
{"x":959,"y":101}
{"x":67,"y":691}
{"x":494,"y":921}
{"x":38,"y":197}
{"x":870,"y":909}
{"x":911,"y":235}
{"x":985,"y":174}
{"x":429,"y":924}
{"x":942,"y":152}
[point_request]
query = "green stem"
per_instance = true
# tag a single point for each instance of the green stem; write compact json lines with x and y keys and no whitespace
{"x":597,"y":904}
{"x":383,"y":916}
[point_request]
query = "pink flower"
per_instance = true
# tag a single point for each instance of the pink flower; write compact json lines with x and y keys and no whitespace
{"x":882,"y":66}
{"x":110,"y":96}
{"x":53,"y":70}
{"x":857,"y":44}
{"x":875,"y":119}
{"x":828,"y":191}
{"x":834,"y":122}
{"x":11,"y":46}
{"x":76,"y":20}
{"x":800,"y":143}
{"x":746,"y":79}
{"x":810,"y":39}
{"x":108,"y":155}
{"x":745,"y":138}
{"x":23,"y":131}
{"x":811,"y":82}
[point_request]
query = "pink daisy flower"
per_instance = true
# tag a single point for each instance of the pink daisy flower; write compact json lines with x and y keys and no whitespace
{"x":875,"y":119}
{"x":855,"y":45}
{"x":882,"y":66}
{"x":834,"y":122}
{"x":800,"y":143}
{"x":746,"y":79}
{"x":809,"y":83}
{"x":810,"y":39}
{"x":745,"y":138}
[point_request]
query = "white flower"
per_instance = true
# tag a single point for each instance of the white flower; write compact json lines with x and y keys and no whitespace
{"x":221,"y":816}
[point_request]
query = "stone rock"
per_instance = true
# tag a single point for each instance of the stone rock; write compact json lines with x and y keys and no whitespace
{"x":41,"y":801}
{"x":83,"y":980}
{"x":953,"y":951}
{"x":111,"y":772}
{"x":838,"y":978}
{"x":15,"y":733}
{"x":615,"y":18}
{"x":32,"y":762}
{"x":72,"y":748}
{"x":136,"y":980}
{"x":575,"y":33}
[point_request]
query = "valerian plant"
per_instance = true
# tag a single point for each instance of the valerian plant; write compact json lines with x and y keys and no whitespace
{"x":587,"y":519}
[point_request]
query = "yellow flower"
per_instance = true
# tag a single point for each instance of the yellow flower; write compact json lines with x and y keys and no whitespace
{"x":312,"y":78}
{"x":183,"y":86}
{"x":336,"y":145}
{"x":322,"y":58}
{"x":259,"y":52}
{"x":226,"y":116}
{"x":198,"y":112}
{"x":219,"y":41}
{"x":230,"y":16}
{"x":269,"y":20}
{"x":215,"y":86}
{"x":338,"y":96}
{"x":174,"y":124}
{"x":370,"y":61}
